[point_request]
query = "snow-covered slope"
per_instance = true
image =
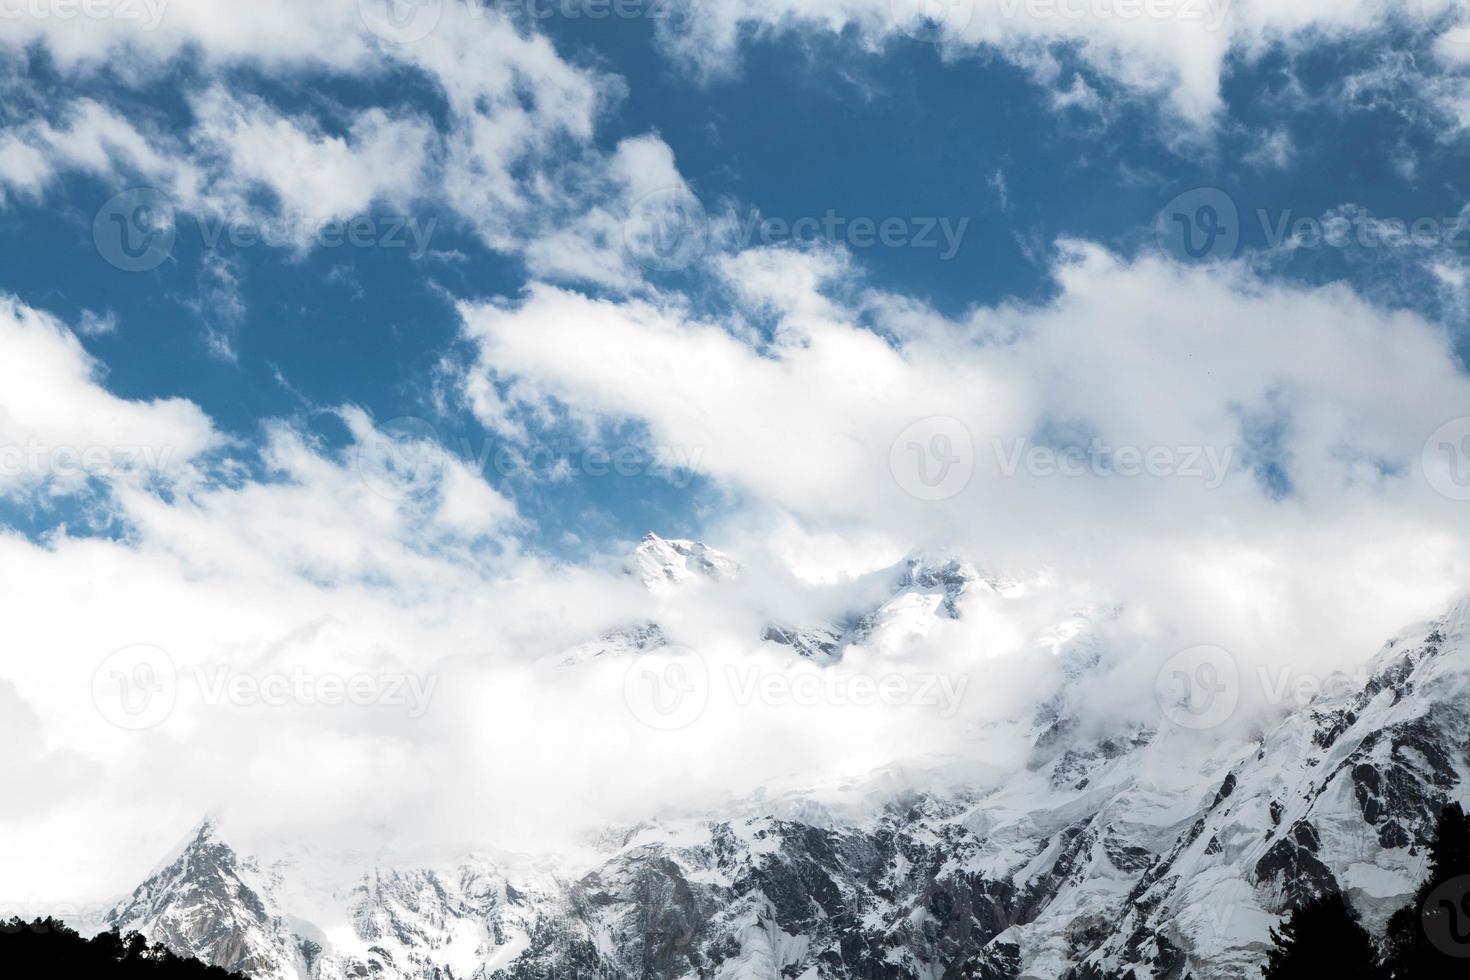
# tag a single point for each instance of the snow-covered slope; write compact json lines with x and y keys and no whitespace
{"x":294,"y":915}
{"x":914,"y":595}
{"x":1341,"y":796}
{"x":925,"y":589}
{"x":615,"y":642}
{"x":665,"y":565}
{"x":1144,"y":853}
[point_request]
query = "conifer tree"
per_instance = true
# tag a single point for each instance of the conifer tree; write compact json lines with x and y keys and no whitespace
{"x":1322,"y":938}
{"x":1430,"y":937}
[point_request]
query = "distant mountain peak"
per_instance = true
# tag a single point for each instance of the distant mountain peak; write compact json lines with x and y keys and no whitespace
{"x":666,"y":564}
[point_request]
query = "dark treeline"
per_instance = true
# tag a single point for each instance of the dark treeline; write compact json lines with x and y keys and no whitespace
{"x":1429,"y":938}
{"x":48,"y":948}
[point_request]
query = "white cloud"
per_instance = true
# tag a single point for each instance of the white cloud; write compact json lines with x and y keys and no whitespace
{"x":315,"y":177}
{"x":59,"y":427}
{"x":516,"y":114}
{"x":94,"y":139}
{"x":1173,"y":50}
{"x":94,"y":324}
{"x":272,"y":34}
{"x":593,"y":244}
{"x":1273,"y":150}
{"x":1272,"y":385}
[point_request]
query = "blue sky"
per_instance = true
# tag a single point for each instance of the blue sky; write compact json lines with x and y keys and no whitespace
{"x":801,"y":123}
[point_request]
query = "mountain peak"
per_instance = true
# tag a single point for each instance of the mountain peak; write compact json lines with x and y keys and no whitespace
{"x":662,"y":564}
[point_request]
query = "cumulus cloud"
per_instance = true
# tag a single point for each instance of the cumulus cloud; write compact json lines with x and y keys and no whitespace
{"x":516,"y":110}
{"x":60,"y":428}
{"x":1223,"y":455}
{"x":314,"y":177}
{"x":231,"y":563}
{"x":91,"y":138}
{"x":1175,"y":52}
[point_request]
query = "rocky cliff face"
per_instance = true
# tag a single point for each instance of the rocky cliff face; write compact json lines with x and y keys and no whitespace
{"x":1151,"y":852}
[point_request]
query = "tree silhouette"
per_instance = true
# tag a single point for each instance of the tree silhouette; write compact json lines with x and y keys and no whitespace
{"x":1425,"y":936}
{"x":1322,"y":938}
{"x":47,"y":947}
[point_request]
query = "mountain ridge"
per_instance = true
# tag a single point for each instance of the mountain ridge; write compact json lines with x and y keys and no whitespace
{"x":1149,"y":851}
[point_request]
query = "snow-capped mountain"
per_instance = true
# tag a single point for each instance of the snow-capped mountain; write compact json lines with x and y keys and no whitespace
{"x":926,"y":589}
{"x":1146,"y":852}
{"x":618,"y":641}
{"x":664,"y":565}
{"x":295,"y":915}
{"x":916,"y":593}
